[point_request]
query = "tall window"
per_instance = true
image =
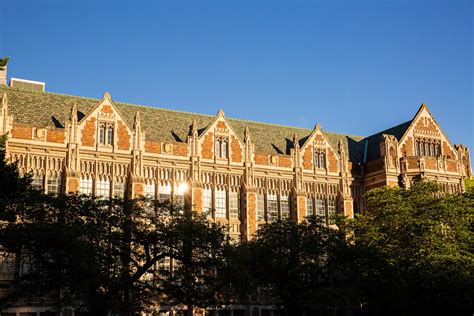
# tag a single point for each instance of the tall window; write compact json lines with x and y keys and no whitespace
{"x":103,"y":188}
{"x":309,"y":206}
{"x":320,"y":208}
{"x":38,"y":182}
{"x":207,"y":201}
{"x":85,"y":185}
{"x":260,"y":207}
{"x":164,"y":193}
{"x":178,"y":193}
{"x":221,"y":147}
{"x":427,"y":147}
{"x":119,"y":189}
{"x":234,"y":205}
{"x":221,"y":202}
{"x":332,"y":209}
{"x":272,"y":207}
{"x":285,"y":207}
{"x":320,"y":158}
{"x":106,"y":134}
{"x":54,"y":184}
{"x":149,"y":191}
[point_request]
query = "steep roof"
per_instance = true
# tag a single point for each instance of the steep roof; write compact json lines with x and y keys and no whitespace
{"x":51,"y":110}
{"x":373,"y":141}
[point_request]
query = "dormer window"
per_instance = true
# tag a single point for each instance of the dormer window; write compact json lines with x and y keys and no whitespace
{"x":106,"y":134}
{"x":222,"y":147}
{"x":320,"y":158}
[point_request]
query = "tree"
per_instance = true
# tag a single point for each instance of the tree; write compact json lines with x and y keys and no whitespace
{"x":4,"y":62}
{"x":422,"y":245}
{"x":298,"y":263}
{"x":198,"y":246}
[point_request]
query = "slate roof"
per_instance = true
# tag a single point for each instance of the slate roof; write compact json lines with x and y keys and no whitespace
{"x":373,"y":141}
{"x":51,"y":110}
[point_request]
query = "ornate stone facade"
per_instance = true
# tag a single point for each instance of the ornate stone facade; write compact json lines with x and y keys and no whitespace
{"x":244,"y":173}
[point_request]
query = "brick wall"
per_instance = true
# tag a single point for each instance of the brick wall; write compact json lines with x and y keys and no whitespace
{"x":407,"y":147}
{"x":22,"y":132}
{"x":332,"y":161}
{"x":152,"y":147}
{"x":207,"y":146}
{"x":107,"y":109}
{"x":88,"y":132}
{"x":236,"y":149}
{"x":123,"y":141}
{"x":447,"y":150}
{"x":56,"y":136}
{"x":221,"y":124}
{"x":284,"y":161}
{"x":180,"y":150}
{"x":197,"y":199}
{"x":308,"y":157}
{"x":72,"y":185}
{"x":251,"y":213}
{"x":261,"y":159}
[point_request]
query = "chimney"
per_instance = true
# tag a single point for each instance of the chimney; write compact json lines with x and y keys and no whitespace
{"x":3,"y":70}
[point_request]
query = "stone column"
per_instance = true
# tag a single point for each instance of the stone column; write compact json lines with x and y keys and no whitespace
{"x":249,"y":212}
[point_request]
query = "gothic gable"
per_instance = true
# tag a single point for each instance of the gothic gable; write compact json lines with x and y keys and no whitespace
{"x":317,"y":145}
{"x":104,"y":125}
{"x":220,"y":141}
{"x":424,"y":128}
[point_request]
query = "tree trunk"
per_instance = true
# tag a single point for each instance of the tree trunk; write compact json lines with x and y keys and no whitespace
{"x":190,"y":311}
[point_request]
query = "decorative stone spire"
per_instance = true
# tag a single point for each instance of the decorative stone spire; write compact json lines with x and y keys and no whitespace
{"x":247,"y":135}
{"x":194,"y":129}
{"x":73,"y":124}
{"x":296,"y":142}
{"x":137,"y":131}
{"x":73,"y":116}
{"x":4,"y":105}
{"x":5,"y":119}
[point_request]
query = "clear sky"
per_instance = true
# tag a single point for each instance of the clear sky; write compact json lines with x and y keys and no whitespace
{"x":356,"y":67}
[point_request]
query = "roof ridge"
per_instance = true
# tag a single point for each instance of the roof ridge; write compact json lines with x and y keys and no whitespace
{"x":398,"y":125}
{"x":172,"y":110}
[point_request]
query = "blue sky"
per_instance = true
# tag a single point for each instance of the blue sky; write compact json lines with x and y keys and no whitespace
{"x":355,"y":67}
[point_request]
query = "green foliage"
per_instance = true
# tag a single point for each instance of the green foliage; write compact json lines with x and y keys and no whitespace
{"x":4,"y":62}
{"x":423,"y":244}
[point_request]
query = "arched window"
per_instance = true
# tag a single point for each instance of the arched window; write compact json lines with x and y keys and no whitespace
{"x":320,"y":158}
{"x":432,"y":150}
{"x":221,"y":147}
{"x":224,"y":149}
{"x":110,"y":135}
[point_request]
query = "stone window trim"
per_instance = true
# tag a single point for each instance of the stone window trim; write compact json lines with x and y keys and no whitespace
{"x":427,"y":147}
{"x":320,"y":158}
{"x":105,"y":134}
{"x":221,"y":147}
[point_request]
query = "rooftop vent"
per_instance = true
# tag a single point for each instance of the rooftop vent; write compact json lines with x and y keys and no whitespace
{"x":27,"y":84}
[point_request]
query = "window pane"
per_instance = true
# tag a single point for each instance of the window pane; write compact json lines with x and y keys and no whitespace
{"x":221,"y":204}
{"x":224,"y":149}
{"x":103,"y":188}
{"x":85,"y":186}
{"x":234,"y":205}
{"x":285,"y":207}
{"x":309,"y":207}
{"x":110,"y":135}
{"x":272,"y":205}
{"x":260,"y":207}
{"x":119,"y":189}
{"x":207,"y":201}
{"x":218,"y":148}
{"x":38,"y":182}
{"x":332,"y":209}
{"x":150,"y":191}
{"x":54,"y":184}
{"x":164,"y":193}
{"x":101,"y":135}
{"x":320,"y":208}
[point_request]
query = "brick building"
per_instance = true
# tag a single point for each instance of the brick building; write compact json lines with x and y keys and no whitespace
{"x":247,"y":173}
